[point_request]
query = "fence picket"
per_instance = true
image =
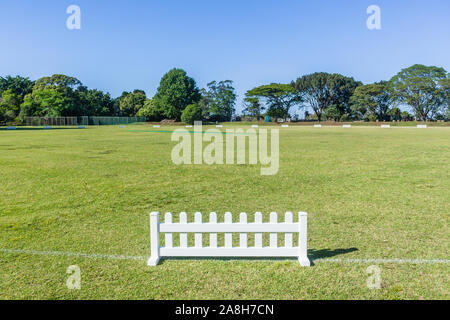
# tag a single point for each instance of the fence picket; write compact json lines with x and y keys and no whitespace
{"x":288,"y":236}
{"x":228,"y":235}
{"x":213,"y":235}
{"x":243,"y":235}
{"x":168,"y":236}
{"x":228,"y":227}
{"x":198,"y":236}
{"x":258,"y":235}
{"x":273,"y":236}
{"x":183,"y":235}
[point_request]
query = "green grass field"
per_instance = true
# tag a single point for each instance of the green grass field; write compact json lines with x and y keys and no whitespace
{"x":370,"y":193}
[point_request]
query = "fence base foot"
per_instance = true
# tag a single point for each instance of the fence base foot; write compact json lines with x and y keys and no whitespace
{"x":153,"y":261}
{"x":304,"y":261}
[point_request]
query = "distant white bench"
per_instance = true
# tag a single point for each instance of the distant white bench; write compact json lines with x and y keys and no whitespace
{"x":347,"y":126}
{"x":317,"y":126}
{"x":422,"y":126}
{"x":385,"y":126}
{"x":228,"y":227}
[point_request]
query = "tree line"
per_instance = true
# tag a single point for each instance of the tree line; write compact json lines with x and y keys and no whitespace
{"x":424,"y":89}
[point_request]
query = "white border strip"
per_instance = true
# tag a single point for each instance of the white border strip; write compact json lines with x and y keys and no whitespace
{"x":123,"y":257}
{"x":74,"y":254}
{"x":399,"y":261}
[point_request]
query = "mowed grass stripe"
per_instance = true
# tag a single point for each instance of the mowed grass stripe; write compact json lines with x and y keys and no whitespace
{"x":369,"y":193}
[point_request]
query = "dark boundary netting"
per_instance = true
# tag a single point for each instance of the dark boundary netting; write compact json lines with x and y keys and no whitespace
{"x":81,"y":121}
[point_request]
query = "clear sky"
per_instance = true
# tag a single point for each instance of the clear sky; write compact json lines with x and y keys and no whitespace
{"x":130,"y":44}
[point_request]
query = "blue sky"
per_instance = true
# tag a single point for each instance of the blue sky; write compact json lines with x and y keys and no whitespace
{"x":126,"y":45}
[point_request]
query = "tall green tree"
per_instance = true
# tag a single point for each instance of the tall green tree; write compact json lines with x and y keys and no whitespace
{"x":65,"y":85}
{"x":175,"y":92}
{"x":445,"y":87}
{"x":279,"y":98}
{"x":95,"y":103}
{"x":218,"y":101}
{"x":418,"y":87}
{"x":372,"y":99}
{"x":322,"y":90}
{"x":149,"y":111}
{"x":253,"y":107}
{"x":9,"y":105}
{"x":12,"y":92}
{"x":53,"y":96}
{"x":192,"y":113}
{"x":44,"y":103}
{"x":316,"y":92}
{"x":342,"y":89}
{"x":18,"y":85}
{"x":132,"y":102}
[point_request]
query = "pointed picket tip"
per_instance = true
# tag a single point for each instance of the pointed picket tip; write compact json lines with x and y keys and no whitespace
{"x":288,"y":217}
{"x":228,"y":217}
{"x":273,"y":217}
{"x":258,"y":217}
{"x":183,"y":217}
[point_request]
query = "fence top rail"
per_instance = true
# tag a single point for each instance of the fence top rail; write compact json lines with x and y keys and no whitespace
{"x":243,"y":215}
{"x":229,"y":227}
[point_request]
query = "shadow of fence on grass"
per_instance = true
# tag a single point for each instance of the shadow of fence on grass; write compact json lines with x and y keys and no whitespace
{"x":313,"y":254}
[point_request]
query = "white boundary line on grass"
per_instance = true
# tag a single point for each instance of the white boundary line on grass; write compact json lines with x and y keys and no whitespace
{"x":123,"y":257}
{"x":74,"y":254}
{"x":399,"y":261}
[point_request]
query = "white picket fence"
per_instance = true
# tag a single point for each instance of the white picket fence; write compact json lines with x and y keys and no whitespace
{"x":198,"y":227}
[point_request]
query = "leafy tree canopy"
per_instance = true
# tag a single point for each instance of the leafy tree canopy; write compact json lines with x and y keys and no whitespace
{"x":253,"y":106}
{"x":191,"y":113}
{"x":18,"y":85}
{"x":132,"y":102}
{"x":149,"y":111}
{"x":372,"y":99}
{"x":279,"y":98}
{"x":175,"y":92}
{"x":321,"y":90}
{"x":419,"y":87}
{"x":218,"y":100}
